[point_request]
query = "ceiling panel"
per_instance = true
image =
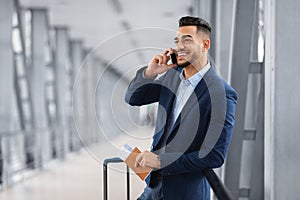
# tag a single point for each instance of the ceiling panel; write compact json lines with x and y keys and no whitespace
{"x":105,"y":25}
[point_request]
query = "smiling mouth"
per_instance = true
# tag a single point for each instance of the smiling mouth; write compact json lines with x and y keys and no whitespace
{"x":182,"y":54}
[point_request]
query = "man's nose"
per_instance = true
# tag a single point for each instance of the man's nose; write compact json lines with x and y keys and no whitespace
{"x":179,"y":46}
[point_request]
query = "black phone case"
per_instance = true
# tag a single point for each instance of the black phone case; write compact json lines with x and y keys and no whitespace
{"x":173,"y":58}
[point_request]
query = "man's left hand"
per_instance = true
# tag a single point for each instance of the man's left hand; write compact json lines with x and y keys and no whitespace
{"x":147,"y":159}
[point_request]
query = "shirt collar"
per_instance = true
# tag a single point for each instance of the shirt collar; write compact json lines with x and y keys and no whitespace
{"x":196,"y":78}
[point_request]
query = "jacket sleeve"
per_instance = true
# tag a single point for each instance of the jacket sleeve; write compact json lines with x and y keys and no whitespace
{"x":142,"y":91}
{"x":178,"y":162}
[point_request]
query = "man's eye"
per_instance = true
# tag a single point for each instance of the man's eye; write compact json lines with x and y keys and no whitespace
{"x":176,"y":41}
{"x":187,"y":40}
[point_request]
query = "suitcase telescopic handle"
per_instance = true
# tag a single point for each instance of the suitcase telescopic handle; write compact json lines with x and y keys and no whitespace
{"x":105,"y":169}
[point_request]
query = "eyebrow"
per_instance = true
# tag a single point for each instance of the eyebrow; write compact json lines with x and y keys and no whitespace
{"x":183,"y":37}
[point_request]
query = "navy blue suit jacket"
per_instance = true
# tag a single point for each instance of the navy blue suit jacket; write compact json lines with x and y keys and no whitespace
{"x":201,"y":134}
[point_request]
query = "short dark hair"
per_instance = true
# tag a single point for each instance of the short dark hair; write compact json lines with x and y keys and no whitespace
{"x":201,"y":24}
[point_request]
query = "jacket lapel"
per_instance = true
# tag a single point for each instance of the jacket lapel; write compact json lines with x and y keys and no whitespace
{"x":169,"y":90}
{"x":171,"y":87}
{"x":200,"y":89}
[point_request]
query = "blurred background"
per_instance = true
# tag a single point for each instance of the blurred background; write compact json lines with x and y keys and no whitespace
{"x":65,"y":66}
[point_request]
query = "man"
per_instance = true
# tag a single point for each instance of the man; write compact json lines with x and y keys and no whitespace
{"x":195,"y":118}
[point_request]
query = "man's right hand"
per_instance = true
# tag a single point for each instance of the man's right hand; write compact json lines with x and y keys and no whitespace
{"x":159,"y":64}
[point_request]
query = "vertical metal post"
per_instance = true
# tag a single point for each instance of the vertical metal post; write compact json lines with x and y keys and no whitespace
{"x":240,"y":72}
{"x":37,"y":82}
{"x":99,"y":70}
{"x":91,"y":82}
{"x":76,"y":56}
{"x":282,"y":100}
{"x":62,"y":81}
{"x":269,"y":128}
{"x":223,"y":44}
{"x":257,"y":165}
{"x":213,"y":23}
{"x":51,"y":91}
{"x":85,"y":82}
{"x":94,"y":77}
{"x":7,"y":98}
{"x":19,"y":63}
{"x":22,"y":88}
{"x":224,"y":39}
{"x":202,"y":9}
{"x":207,"y":9}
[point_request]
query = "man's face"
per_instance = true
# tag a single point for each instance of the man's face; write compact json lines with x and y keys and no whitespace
{"x":190,"y":45}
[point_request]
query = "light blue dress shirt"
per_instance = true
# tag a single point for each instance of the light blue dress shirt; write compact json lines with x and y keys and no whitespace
{"x":185,"y":89}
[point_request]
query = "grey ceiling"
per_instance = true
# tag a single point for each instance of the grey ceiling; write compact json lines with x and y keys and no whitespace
{"x":126,"y":33}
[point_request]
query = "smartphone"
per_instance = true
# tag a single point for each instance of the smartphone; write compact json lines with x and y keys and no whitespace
{"x":173,"y":57}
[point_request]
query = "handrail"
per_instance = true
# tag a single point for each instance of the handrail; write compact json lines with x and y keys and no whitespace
{"x":216,"y":184}
{"x":30,"y":132}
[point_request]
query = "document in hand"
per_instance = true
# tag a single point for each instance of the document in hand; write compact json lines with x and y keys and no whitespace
{"x":130,"y":158}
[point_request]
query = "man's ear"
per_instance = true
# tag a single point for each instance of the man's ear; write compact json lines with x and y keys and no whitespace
{"x":206,"y":43}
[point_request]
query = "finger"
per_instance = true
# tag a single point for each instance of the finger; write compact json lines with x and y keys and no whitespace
{"x":166,"y":54}
{"x":168,"y":58}
{"x":138,"y":160}
{"x":170,"y":50}
{"x":159,"y":59}
{"x":173,"y":51}
{"x":155,"y":59}
{"x":163,"y":59}
{"x":166,"y":51}
{"x":142,"y":163}
{"x":136,"y":164}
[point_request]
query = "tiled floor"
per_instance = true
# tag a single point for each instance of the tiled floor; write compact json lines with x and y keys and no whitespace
{"x":79,"y":177}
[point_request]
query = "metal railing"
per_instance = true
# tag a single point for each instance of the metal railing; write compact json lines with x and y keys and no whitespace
{"x":17,"y":146}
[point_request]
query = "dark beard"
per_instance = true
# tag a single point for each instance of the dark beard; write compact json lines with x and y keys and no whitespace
{"x":183,"y":65}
